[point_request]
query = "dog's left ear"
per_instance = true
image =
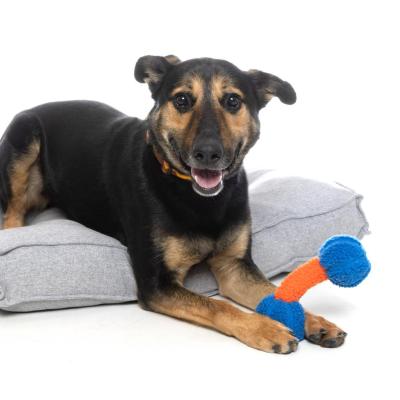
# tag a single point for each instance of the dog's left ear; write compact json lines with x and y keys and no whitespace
{"x":152,"y":69}
{"x":268,"y":86}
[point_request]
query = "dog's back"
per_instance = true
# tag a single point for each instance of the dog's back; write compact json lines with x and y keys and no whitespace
{"x":54,"y":154}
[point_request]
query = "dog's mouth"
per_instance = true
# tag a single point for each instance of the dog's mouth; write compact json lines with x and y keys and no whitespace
{"x":207,"y":182}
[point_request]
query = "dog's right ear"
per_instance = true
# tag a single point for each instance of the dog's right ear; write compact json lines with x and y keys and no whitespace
{"x":152,"y":69}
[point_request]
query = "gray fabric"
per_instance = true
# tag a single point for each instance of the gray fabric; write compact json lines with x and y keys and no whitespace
{"x":292,"y":216}
{"x":57,"y":263}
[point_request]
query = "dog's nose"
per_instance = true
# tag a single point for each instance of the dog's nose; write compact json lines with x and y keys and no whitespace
{"x":207,"y":153}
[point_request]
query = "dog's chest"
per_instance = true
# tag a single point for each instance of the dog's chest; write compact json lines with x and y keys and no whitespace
{"x":180,"y":253}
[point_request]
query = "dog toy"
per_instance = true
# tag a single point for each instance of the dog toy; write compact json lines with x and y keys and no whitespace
{"x":341,"y":259}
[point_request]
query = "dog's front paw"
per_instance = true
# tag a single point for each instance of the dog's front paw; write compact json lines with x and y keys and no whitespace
{"x":322,"y":332}
{"x":265,"y":334}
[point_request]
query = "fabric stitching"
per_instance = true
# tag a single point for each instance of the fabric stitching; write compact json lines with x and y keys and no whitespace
{"x":62,"y":244}
{"x":314,"y":215}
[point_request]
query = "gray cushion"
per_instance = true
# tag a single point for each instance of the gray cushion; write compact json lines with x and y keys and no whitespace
{"x":58,"y":263}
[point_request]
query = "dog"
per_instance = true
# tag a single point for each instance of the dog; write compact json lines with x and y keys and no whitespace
{"x":171,"y":188}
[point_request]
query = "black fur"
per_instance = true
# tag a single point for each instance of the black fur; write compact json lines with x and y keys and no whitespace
{"x":98,"y":168}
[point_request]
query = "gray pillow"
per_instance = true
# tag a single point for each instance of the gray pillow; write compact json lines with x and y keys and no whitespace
{"x":58,"y":263}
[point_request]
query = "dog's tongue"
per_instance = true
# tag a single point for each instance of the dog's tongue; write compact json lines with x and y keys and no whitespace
{"x":206,"y":178}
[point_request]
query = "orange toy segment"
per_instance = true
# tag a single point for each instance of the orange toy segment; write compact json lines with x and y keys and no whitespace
{"x":300,"y":280}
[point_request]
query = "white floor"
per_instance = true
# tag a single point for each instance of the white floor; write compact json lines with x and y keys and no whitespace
{"x":121,"y":351}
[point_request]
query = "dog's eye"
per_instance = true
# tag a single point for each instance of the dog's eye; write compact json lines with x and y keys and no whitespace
{"x":232,"y":102}
{"x":182,"y":102}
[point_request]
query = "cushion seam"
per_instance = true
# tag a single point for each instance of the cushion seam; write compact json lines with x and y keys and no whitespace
{"x":286,"y":264}
{"x":66,"y":297}
{"x":354,"y":198}
{"x":61,"y":244}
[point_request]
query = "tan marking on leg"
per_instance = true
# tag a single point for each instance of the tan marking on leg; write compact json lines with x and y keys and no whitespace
{"x":241,"y":283}
{"x":35,"y":199}
{"x":244,"y":284}
{"x":181,"y":253}
{"x":234,"y":242}
{"x":252,"y":329}
{"x":248,"y":287}
{"x":26,"y":187}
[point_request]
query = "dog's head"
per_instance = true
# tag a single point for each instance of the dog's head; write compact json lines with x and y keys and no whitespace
{"x":205,"y":117}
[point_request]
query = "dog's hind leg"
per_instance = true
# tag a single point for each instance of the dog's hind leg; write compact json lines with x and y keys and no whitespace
{"x":22,"y":182}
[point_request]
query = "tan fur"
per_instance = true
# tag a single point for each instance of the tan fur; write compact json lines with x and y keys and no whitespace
{"x":234,"y":242}
{"x":223,"y":84}
{"x":193,"y":84}
{"x":252,"y":329}
{"x":171,"y":119}
{"x":234,"y":279}
{"x":237,"y":283}
{"x":181,"y":253}
{"x":181,"y":125}
{"x":174,"y":121}
{"x":174,"y":60}
{"x":233,"y":127}
{"x":26,"y":185}
{"x":224,"y":256}
{"x":152,"y":77}
{"x":321,"y":331}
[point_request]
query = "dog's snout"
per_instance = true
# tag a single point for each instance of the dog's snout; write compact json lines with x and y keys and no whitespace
{"x":207,"y":153}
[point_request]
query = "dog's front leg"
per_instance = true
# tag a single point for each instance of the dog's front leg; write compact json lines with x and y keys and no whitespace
{"x":252,"y":329}
{"x":240,"y":280}
{"x":159,"y":266}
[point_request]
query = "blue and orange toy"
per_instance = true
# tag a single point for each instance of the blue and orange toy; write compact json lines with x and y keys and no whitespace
{"x":341,"y":259}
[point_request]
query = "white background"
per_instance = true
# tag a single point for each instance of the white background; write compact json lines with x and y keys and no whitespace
{"x":342,"y":59}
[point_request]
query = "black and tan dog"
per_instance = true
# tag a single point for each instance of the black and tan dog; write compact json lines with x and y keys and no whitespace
{"x":172,"y":187}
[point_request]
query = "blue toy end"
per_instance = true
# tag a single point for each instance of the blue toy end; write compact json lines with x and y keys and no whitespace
{"x":344,"y":260}
{"x":290,"y":314}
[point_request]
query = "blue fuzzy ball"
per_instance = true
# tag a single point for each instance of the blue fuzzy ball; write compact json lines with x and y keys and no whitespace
{"x":290,"y":314}
{"x":344,"y":260}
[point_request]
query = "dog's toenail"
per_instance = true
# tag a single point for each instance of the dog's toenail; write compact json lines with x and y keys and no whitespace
{"x":293,"y":344}
{"x":342,"y":334}
{"x":323,"y":331}
{"x":315,"y":338}
{"x":329,"y":343}
{"x":276,"y":348}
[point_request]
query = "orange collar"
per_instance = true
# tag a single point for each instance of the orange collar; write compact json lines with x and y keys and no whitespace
{"x":167,"y":169}
{"x":165,"y":166}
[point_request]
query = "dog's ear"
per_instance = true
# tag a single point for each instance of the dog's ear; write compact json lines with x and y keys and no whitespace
{"x":268,"y":86}
{"x":152,"y":69}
